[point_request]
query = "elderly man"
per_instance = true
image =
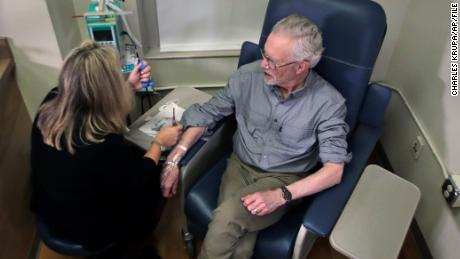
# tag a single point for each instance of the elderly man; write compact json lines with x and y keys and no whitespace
{"x":290,"y":141}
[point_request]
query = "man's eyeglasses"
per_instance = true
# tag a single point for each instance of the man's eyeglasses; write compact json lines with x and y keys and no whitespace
{"x":271,"y":64}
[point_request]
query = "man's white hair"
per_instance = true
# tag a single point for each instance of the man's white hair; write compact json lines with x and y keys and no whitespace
{"x":309,"y":42}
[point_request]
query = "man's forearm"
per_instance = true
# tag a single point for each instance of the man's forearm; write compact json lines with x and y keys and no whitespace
{"x":329,"y":175}
{"x":188,"y":139}
{"x":191,"y":136}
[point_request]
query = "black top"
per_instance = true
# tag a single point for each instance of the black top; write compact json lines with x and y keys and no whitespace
{"x":103,"y":193}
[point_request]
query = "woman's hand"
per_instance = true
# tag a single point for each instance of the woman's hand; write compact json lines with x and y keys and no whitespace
{"x":136,"y":77}
{"x":169,"y":135}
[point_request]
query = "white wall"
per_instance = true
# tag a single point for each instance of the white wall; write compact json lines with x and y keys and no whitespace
{"x":419,"y":67}
{"x":28,"y":26}
{"x":414,"y":58}
{"x":395,"y":11}
{"x":438,"y":223}
{"x":193,"y":25}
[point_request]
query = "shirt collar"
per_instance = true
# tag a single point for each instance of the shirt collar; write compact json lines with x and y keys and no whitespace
{"x":306,"y":84}
{"x":297,"y":92}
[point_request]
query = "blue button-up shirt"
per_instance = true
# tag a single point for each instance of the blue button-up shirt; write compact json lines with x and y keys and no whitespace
{"x":278,"y":134}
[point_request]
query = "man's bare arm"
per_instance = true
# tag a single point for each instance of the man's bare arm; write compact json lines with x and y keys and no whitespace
{"x":170,"y":173}
{"x":329,"y":175}
{"x":263,"y":203}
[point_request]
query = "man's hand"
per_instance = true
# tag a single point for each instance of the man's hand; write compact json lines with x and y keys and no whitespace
{"x":170,"y":173}
{"x":263,"y":203}
{"x":169,"y":180}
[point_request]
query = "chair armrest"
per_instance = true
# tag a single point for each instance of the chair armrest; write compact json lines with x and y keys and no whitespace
{"x":326,"y":207}
{"x":249,"y":53}
{"x":204,"y":154}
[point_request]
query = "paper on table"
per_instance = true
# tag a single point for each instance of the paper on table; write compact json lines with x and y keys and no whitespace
{"x":163,"y":117}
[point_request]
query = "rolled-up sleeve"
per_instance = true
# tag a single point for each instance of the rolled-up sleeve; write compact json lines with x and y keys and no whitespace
{"x":332,"y":135}
{"x":208,"y":114}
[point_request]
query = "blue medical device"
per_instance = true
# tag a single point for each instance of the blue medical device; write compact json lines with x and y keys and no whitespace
{"x":149,"y":83}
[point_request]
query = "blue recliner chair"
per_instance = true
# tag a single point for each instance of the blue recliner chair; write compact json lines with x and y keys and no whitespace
{"x":353,"y":31}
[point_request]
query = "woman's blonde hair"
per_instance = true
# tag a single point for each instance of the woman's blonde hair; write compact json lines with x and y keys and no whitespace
{"x":92,"y":99}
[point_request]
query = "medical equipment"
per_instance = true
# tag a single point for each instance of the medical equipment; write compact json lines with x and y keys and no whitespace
{"x":107,"y":25}
{"x":146,"y":84}
{"x":167,"y":114}
{"x":103,"y":24}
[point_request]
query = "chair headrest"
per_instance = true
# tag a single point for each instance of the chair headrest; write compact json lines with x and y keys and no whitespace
{"x":353,"y":31}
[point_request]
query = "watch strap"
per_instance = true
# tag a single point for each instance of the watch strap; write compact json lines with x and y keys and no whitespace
{"x":287,"y":195}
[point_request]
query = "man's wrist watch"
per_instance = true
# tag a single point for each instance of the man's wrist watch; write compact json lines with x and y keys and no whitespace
{"x":287,"y":196}
{"x":162,"y":148}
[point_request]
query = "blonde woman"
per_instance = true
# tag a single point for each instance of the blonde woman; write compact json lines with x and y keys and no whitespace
{"x":89,"y":186}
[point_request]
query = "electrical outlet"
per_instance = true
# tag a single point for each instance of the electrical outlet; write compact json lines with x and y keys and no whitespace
{"x":451,"y":191}
{"x":417,"y":147}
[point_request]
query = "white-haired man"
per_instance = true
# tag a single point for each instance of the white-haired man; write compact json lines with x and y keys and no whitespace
{"x":290,"y":140}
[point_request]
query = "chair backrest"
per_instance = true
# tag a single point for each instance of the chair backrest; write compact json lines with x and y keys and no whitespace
{"x":353,"y":31}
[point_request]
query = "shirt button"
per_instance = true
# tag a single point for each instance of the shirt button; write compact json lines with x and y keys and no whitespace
{"x":275,"y":120}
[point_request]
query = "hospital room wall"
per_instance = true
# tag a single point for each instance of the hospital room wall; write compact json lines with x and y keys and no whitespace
{"x":423,"y":106}
{"x":416,"y":63}
{"x":29,"y":29}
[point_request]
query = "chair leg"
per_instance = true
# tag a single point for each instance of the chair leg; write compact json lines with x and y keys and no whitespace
{"x":188,"y":242}
{"x":303,"y":244}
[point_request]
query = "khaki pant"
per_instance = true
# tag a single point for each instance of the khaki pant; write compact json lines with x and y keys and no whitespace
{"x":233,"y":230}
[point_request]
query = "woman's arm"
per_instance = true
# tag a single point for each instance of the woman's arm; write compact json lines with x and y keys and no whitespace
{"x":168,"y":136}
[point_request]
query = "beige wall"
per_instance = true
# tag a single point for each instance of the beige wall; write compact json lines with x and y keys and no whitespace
{"x":65,"y":27}
{"x":28,"y":26}
{"x":81,"y":7}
